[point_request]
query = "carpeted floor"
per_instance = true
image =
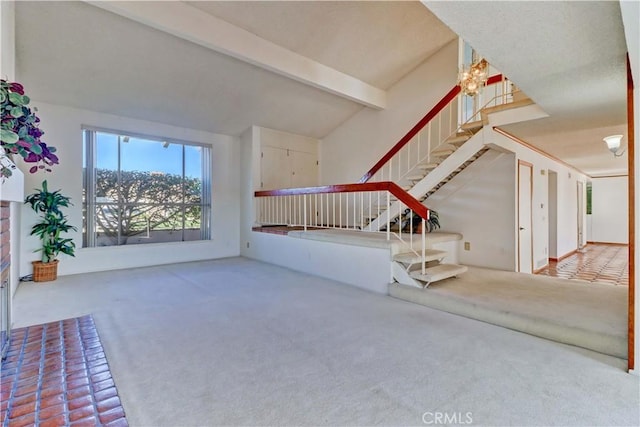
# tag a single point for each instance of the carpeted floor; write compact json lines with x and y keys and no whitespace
{"x":238,"y":342}
{"x":589,"y":315}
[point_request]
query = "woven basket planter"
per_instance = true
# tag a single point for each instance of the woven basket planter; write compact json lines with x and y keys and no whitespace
{"x":45,"y":272}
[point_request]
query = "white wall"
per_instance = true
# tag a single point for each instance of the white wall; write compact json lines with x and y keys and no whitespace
{"x":488,"y":223}
{"x":567,"y":200}
{"x":354,"y":147}
{"x":7,"y":40}
{"x":62,"y":127}
{"x":610,"y":210}
{"x":365,"y":267}
{"x":478,"y":204}
{"x":249,"y":182}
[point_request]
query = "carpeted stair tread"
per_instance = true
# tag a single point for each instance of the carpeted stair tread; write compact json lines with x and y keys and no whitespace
{"x":439,"y":272}
{"x":412,"y":258}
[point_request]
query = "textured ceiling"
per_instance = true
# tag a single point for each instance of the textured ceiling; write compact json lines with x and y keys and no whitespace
{"x":377,"y":42}
{"x":568,"y":56}
{"x":103,"y":62}
{"x":75,"y":54}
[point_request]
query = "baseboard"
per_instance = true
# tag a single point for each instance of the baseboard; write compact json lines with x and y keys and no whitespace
{"x":568,"y":254}
{"x":607,"y":243}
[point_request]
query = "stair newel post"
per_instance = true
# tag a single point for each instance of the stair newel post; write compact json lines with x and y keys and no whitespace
{"x":305,"y":212}
{"x":424,"y":244}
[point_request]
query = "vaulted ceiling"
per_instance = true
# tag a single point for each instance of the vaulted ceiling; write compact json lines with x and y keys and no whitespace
{"x":569,"y":57}
{"x":76,"y":54}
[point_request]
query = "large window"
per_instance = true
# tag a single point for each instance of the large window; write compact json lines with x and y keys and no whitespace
{"x":144,"y":190}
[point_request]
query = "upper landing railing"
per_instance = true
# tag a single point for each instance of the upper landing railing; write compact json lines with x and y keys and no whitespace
{"x":431,"y":131}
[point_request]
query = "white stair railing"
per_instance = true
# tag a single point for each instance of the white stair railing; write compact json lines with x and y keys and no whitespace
{"x":415,"y":156}
{"x":345,"y":207}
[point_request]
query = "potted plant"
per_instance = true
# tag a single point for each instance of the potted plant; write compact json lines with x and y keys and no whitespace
{"x":53,"y":223}
{"x":433,"y":223}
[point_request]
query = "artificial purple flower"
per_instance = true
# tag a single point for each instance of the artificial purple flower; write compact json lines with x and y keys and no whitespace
{"x":17,"y":87}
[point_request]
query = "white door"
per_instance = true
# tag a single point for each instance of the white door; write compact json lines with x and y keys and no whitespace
{"x":274,"y":168}
{"x":304,"y":169}
{"x":525,"y":236}
{"x":580,"y":215}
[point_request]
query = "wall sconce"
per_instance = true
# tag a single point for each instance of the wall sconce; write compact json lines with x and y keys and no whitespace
{"x":613,"y":143}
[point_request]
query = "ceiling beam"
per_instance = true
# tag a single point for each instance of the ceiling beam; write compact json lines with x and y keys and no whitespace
{"x":184,"y":21}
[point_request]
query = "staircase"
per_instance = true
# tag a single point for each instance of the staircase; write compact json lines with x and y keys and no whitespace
{"x":424,"y":160}
{"x":418,"y":267}
{"x":457,"y":152}
{"x":447,"y":160}
{"x":407,"y":268}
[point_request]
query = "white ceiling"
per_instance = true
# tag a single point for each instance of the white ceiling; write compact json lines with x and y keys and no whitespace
{"x":75,"y":54}
{"x":377,"y":42}
{"x":569,"y":57}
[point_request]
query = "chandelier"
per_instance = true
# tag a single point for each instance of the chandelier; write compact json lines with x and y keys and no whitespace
{"x":472,"y":79}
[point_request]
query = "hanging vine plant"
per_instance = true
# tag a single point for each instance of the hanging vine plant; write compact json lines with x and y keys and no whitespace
{"x":19,"y":131}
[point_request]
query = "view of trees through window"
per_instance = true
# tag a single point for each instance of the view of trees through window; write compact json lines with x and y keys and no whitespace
{"x":139,"y":190}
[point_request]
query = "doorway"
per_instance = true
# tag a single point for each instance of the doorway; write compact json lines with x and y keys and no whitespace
{"x":525,"y":235}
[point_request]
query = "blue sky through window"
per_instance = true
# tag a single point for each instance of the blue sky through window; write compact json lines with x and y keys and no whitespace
{"x":147,"y":155}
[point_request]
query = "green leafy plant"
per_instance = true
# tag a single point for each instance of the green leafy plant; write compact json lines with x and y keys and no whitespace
{"x":53,"y":222}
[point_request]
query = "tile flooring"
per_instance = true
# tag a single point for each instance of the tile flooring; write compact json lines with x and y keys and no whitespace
{"x":57,"y":374}
{"x":594,"y":263}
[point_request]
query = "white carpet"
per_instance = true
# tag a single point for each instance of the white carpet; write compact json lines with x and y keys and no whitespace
{"x":589,"y":315}
{"x":237,"y":342}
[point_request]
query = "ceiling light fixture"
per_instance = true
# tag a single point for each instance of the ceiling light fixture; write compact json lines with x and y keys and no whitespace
{"x":471,"y":80}
{"x":613,"y":143}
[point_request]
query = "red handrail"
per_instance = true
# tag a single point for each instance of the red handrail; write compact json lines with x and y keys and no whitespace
{"x":411,"y":202}
{"x":450,"y":96}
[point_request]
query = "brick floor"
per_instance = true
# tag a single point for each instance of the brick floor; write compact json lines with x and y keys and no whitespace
{"x":57,"y":374}
{"x":594,"y":263}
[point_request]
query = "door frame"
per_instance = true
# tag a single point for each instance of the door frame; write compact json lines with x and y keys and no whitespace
{"x":530,"y":225}
{"x":580,"y":210}
{"x":632,"y":220}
